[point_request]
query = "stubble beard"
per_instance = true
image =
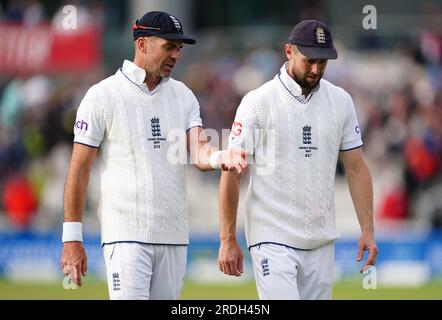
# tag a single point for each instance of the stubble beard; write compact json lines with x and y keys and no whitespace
{"x":304,"y":83}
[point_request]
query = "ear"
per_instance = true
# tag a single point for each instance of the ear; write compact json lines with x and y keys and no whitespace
{"x":289,"y":52}
{"x":141,"y":45}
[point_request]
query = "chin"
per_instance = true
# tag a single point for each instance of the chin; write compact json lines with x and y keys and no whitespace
{"x":312,"y":85}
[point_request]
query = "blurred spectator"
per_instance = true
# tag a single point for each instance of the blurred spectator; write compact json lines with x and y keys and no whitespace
{"x":19,"y":201}
{"x":431,"y":38}
{"x":35,"y":93}
{"x":421,"y":163}
{"x":33,"y":13}
{"x":10,"y":103}
{"x":394,"y":205}
{"x":14,"y":11}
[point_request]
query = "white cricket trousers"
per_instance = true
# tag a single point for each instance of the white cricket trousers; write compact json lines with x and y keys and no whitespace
{"x":284,"y":273}
{"x":139,"y":271}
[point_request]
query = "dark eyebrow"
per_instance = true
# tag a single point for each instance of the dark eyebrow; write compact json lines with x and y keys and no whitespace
{"x":179,"y":46}
{"x":309,"y":60}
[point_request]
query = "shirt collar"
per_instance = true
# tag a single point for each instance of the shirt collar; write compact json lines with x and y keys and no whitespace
{"x":292,"y":86}
{"x":137,"y":75}
{"x":134,"y":72}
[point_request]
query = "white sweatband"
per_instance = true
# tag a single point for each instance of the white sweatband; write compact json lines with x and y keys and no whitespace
{"x":214,"y":159}
{"x":72,"y":231}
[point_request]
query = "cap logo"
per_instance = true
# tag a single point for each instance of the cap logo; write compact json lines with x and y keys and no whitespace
{"x":176,"y":23}
{"x":320,"y":35}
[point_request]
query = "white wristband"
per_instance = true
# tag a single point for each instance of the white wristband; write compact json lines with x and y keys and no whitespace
{"x":214,"y":159}
{"x":72,"y":231}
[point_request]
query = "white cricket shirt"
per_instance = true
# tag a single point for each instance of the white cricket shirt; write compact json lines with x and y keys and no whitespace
{"x":295,"y":142}
{"x":143,"y":196}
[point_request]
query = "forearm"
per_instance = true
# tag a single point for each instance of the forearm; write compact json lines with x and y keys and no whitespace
{"x":75,"y":194}
{"x":199,"y":148}
{"x":202,"y":159}
{"x":228,"y":203}
{"x":361,"y":190}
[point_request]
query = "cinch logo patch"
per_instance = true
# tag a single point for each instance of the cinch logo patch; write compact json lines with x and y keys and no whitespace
{"x":81,"y":124}
{"x":357,"y":129}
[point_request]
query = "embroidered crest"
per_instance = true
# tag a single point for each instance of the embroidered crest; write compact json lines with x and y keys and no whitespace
{"x":156,"y":133}
{"x":265,"y":267}
{"x":116,"y":284}
{"x":176,"y":22}
{"x":155,"y":126}
{"x":307,"y":134}
{"x":307,"y":142}
{"x":320,"y":35}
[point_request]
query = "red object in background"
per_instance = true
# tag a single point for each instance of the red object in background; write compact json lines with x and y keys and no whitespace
{"x":394,"y":205}
{"x":44,"y":49}
{"x":421,"y":162}
{"x":20,"y":201}
{"x":74,"y":51}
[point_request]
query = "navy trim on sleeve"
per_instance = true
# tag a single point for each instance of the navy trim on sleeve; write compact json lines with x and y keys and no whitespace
{"x":86,"y":145}
{"x":351,"y":148}
{"x":194,"y":127}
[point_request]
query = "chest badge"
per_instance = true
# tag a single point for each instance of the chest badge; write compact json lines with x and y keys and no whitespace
{"x":307,"y":141}
{"x":156,"y":133}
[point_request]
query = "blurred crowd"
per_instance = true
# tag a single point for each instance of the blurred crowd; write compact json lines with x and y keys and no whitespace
{"x":397,"y":94}
{"x":36,"y":116}
{"x":33,"y":12}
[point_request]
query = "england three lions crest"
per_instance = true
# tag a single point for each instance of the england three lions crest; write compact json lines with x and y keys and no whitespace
{"x":307,"y":138}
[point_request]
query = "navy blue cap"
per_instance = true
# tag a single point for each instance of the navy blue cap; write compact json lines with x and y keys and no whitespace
{"x":160,"y":24}
{"x":313,"y":39}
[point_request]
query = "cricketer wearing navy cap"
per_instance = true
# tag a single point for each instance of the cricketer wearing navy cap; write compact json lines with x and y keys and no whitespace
{"x":143,"y":210}
{"x":160,"y":24}
{"x":296,"y":126}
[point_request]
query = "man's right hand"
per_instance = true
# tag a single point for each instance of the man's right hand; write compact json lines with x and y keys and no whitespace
{"x":230,"y":258}
{"x":74,"y":261}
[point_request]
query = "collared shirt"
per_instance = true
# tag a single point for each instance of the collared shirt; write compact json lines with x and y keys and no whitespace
{"x":90,"y":126}
{"x":137,"y":75}
{"x":143,"y":183}
{"x":295,"y":142}
{"x":293,"y":87}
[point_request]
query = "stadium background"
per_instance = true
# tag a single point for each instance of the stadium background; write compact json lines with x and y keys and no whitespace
{"x":393,"y":73}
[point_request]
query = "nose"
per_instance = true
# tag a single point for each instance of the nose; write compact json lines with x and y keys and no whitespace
{"x":315,"y":68}
{"x":176,"y":54}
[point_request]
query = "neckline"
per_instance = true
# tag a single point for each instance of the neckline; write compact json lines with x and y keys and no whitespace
{"x":291,"y":95}
{"x":144,"y":90}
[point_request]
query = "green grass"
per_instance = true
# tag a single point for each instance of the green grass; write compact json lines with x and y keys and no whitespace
{"x":94,"y":289}
{"x":351,"y":290}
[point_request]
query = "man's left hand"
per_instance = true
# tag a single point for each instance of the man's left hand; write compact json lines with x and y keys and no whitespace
{"x":366,"y":242}
{"x":233,"y":159}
